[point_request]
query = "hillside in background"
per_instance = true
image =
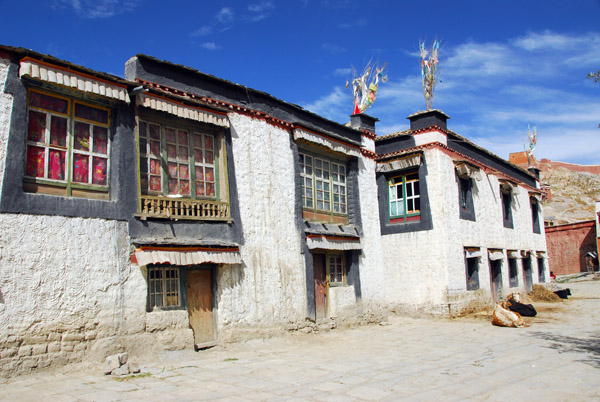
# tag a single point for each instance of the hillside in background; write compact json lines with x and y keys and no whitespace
{"x":573,"y":195}
{"x":574,"y":189}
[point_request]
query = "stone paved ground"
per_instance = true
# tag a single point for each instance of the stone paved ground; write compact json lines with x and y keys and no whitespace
{"x":557,"y":358}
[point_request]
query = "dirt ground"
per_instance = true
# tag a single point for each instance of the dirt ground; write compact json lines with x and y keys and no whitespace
{"x":555,"y":358}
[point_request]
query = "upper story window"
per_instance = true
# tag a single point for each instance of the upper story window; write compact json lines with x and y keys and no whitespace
{"x":506,"y":195}
{"x":68,"y":145}
{"x":535,"y":215}
{"x":404,"y":198}
{"x":177,"y":162}
{"x":180,"y":166}
{"x":465,"y":198}
{"x":324,"y":188}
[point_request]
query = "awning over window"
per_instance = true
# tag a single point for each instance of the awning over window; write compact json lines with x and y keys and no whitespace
{"x":327,"y":142}
{"x":187,"y":255}
{"x":514,"y":254}
{"x":466,"y":170}
{"x":495,"y":254}
{"x":333,"y":242}
{"x":509,"y":187}
{"x":535,"y":196}
{"x":62,"y":76}
{"x":182,"y":110}
{"x":399,"y":164}
{"x":472,"y":252}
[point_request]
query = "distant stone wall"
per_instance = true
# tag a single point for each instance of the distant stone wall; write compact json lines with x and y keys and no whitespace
{"x":568,"y":245}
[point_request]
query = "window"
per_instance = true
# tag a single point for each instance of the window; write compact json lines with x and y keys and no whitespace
{"x":506,"y":195}
{"x":472,"y":271}
{"x":163,"y":287}
{"x":404,"y":198}
{"x":323,"y":185}
{"x":67,"y":145}
{"x":535,"y":215}
{"x":465,"y":198}
{"x":513,"y":278}
{"x":177,"y":162}
{"x":335,"y":269}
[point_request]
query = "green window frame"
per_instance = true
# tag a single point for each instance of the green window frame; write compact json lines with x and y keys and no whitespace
{"x":177,"y":161}
{"x":404,"y":198}
{"x":67,"y":143}
{"x":164,"y":289}
{"x":324,"y":184}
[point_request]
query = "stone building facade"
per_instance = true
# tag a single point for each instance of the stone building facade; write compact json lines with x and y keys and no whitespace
{"x":174,"y":209}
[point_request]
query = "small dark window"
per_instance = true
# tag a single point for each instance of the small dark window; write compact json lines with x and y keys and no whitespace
{"x":506,"y":208}
{"x":472,"y":266}
{"x":513,"y":273}
{"x":465,"y":198}
{"x":535,"y":215}
{"x":541,"y":270}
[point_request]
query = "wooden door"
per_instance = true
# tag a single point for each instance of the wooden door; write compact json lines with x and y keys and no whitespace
{"x":200,"y":308}
{"x":320,"y":286}
{"x":495,"y":279}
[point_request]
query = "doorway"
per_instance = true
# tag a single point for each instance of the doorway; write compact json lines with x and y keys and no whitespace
{"x":496,"y":278}
{"x":200,"y":306}
{"x":320,"y":275}
{"x":527,"y":274}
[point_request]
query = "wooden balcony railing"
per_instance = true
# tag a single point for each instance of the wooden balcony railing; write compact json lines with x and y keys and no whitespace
{"x":168,"y":208}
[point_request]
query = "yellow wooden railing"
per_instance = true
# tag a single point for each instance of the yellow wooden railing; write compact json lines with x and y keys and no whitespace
{"x":168,"y":208}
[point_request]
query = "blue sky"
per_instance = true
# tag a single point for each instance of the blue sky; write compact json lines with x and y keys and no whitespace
{"x":503,"y":64}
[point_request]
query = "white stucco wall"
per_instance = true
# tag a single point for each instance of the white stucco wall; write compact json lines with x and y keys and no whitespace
{"x":415,"y":269}
{"x":269,"y":287}
{"x":69,"y":292}
{"x":371,"y":257}
{"x":6,"y":101}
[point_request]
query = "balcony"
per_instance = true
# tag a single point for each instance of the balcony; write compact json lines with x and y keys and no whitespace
{"x":184,"y":209}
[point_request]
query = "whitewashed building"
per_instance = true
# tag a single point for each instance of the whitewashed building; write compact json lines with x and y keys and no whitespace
{"x":460,"y":227}
{"x":174,"y":209}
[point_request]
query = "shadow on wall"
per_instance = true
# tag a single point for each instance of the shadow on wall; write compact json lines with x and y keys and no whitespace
{"x":590,"y":345}
{"x":229,"y":277}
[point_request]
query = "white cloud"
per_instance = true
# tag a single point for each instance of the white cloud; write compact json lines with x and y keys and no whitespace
{"x":261,"y":7}
{"x":546,"y":40}
{"x":202,"y":31}
{"x":225,"y":15}
{"x":93,"y":9}
{"x":333,"y":49}
{"x":210,"y":46}
{"x":332,"y":105}
{"x":358,"y":23}
{"x":343,"y":72}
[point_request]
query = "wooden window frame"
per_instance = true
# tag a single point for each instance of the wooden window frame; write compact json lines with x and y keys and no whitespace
{"x":407,"y":215}
{"x":164,"y":282}
{"x":67,"y":186}
{"x":333,"y":187}
{"x":336,"y":270}
{"x":191,"y":161}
